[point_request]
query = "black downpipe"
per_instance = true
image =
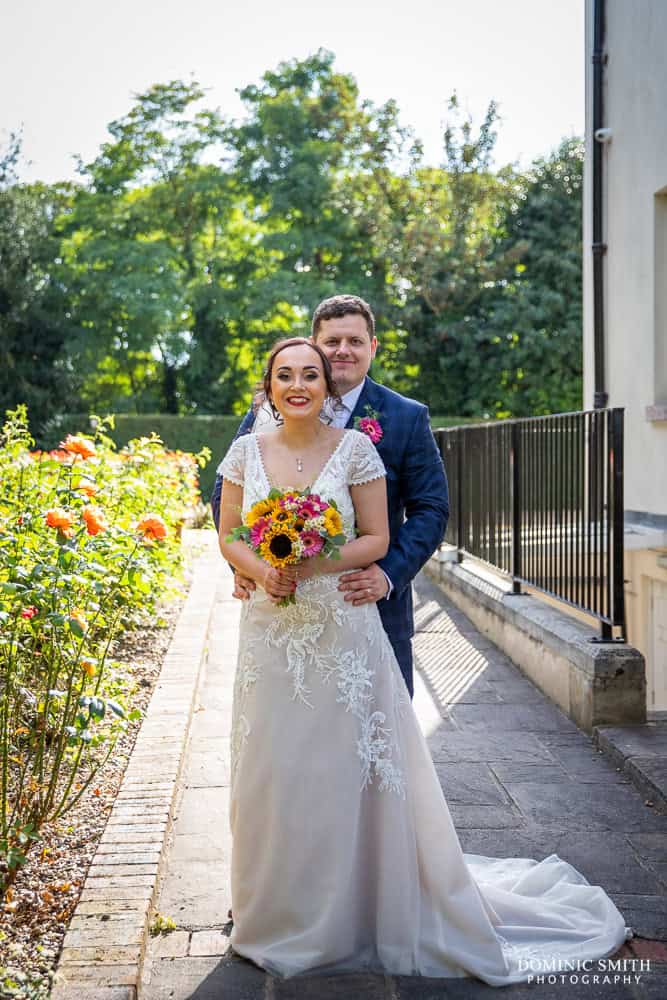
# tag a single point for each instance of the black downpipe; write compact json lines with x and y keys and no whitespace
{"x":599,"y":247}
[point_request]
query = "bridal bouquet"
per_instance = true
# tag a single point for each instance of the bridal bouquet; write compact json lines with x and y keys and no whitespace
{"x":289,"y":526}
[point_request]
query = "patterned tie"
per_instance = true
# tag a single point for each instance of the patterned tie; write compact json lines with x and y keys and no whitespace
{"x":335,"y":416}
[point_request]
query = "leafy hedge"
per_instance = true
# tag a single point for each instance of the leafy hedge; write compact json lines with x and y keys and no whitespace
{"x":188,"y":434}
{"x":179,"y":433}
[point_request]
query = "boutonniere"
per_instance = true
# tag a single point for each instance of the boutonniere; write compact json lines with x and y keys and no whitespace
{"x":370,"y":424}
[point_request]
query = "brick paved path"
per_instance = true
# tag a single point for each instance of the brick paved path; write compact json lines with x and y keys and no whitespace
{"x":520,"y":780}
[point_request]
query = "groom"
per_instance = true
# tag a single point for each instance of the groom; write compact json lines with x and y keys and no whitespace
{"x":417,"y":497}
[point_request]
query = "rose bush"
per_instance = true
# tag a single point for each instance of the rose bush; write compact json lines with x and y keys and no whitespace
{"x":88,"y":546}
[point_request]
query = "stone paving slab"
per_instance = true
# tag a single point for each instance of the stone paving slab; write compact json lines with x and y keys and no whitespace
{"x":647,"y":914}
{"x":205,"y":979}
{"x":641,"y":752}
{"x":471,"y":784}
{"x":521,"y":780}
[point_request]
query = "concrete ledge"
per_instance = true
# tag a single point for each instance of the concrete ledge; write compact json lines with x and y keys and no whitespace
{"x":641,"y":752}
{"x":103,"y":950}
{"x":594,"y":684}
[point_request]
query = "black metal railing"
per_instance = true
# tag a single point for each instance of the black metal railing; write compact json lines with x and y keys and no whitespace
{"x":541,"y":499}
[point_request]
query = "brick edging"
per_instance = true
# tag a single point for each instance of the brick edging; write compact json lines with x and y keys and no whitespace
{"x":104,"y":946}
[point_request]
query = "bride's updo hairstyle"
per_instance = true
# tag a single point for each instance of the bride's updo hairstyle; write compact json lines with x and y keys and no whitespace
{"x":265,"y":391}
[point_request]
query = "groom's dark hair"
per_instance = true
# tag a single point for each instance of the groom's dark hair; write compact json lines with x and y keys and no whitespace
{"x":343,"y":305}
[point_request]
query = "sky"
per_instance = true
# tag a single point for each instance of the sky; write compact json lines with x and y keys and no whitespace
{"x":68,"y":67}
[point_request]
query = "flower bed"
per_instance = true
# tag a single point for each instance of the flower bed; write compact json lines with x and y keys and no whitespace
{"x":47,"y":887}
{"x":89,"y":542}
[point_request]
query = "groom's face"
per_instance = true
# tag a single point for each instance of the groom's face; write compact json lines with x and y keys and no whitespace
{"x":349,"y":347}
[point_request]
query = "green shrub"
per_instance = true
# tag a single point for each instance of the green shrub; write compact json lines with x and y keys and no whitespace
{"x":88,"y":545}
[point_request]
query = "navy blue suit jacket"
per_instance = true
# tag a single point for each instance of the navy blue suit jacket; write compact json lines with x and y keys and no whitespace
{"x":417,"y":495}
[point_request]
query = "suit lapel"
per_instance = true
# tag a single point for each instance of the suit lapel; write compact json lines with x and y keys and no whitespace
{"x":366,"y":398}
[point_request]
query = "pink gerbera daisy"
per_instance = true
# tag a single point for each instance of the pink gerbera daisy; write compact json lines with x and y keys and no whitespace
{"x":371,"y":427}
{"x":307,"y":508}
{"x":257,"y":531}
{"x":312,"y":543}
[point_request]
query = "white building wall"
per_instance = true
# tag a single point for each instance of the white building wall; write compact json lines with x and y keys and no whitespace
{"x":635,"y":171}
{"x":635,"y":299}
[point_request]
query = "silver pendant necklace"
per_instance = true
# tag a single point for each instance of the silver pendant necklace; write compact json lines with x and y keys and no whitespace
{"x":299,"y":465}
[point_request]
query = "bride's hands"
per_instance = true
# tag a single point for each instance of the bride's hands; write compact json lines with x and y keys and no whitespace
{"x":307,"y":569}
{"x":279,"y":583}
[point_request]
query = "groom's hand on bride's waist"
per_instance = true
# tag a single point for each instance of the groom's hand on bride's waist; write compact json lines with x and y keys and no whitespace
{"x":243,"y":586}
{"x":363,"y":586}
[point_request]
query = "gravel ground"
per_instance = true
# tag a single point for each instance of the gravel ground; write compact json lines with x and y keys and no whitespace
{"x":37,"y":909}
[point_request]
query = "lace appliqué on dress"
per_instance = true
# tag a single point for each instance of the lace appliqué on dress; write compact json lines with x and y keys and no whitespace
{"x":298,"y":630}
{"x":307,"y":632}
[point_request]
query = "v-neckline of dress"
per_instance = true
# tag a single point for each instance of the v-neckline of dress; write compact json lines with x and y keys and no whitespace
{"x":272,"y":486}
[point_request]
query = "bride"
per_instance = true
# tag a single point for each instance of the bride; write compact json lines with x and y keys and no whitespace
{"x":345,"y":856}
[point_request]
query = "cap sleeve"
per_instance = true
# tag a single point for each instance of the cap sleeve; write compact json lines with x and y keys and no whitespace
{"x":232,"y":466}
{"x":365,"y":463}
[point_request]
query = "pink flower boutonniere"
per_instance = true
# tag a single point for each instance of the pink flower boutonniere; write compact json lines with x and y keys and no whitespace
{"x":370,"y":425}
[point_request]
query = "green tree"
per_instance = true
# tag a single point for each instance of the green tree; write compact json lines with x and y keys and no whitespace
{"x":443,"y":231}
{"x":145,"y":224}
{"x":35,"y":323}
{"x":191,"y":243}
{"x":301,"y":155}
{"x":533,"y":318}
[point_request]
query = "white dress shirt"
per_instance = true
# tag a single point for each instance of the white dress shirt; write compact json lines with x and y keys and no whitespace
{"x":341,"y":413}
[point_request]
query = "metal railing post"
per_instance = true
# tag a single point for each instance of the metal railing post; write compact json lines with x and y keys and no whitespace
{"x":616,"y":517}
{"x":515,"y":461}
{"x":541,"y":500}
{"x":460,"y":438}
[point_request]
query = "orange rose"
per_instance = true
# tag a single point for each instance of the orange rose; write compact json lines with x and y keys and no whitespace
{"x":78,"y":617}
{"x":78,"y":446}
{"x":152,"y":527}
{"x":95,"y":520}
{"x":88,"y":489}
{"x":60,"y":519}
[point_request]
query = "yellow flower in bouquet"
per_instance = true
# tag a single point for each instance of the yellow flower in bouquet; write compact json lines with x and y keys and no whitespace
{"x":285,"y":528}
{"x":263,"y":508}
{"x":278,"y":547}
{"x":333,"y":522}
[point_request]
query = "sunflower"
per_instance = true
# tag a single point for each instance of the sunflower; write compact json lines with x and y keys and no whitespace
{"x":260,"y":509}
{"x":284,"y":517}
{"x":277,"y":548}
{"x":333,"y":522}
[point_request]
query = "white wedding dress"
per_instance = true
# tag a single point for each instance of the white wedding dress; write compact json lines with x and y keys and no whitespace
{"x":345,"y":856}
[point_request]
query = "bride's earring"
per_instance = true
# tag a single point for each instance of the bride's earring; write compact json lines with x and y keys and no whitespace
{"x":276,"y":415}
